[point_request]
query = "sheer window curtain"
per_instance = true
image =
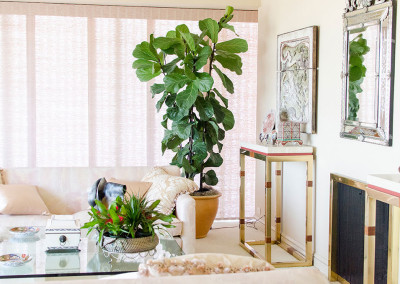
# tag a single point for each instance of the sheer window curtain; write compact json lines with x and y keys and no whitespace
{"x":69,"y":97}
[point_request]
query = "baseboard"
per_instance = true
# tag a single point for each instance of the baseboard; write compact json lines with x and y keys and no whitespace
{"x":321,"y":263}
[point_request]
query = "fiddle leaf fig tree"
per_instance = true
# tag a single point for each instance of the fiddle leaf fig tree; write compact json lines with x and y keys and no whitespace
{"x":197,"y":114}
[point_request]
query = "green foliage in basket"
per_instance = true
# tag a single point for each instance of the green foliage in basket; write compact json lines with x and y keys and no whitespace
{"x":130,"y":217}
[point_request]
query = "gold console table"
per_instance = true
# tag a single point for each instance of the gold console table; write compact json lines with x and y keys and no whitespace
{"x":277,"y":154}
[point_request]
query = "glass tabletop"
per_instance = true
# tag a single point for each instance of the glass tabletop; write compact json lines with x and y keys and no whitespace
{"x":90,"y":260}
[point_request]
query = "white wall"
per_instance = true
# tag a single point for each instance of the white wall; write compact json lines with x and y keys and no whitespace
{"x":333,"y":154}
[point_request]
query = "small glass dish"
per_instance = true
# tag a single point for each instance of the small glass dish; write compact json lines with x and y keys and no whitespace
{"x":15,"y":259}
{"x":24,"y":231}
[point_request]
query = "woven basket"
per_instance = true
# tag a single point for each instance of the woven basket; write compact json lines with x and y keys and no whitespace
{"x":129,"y":245}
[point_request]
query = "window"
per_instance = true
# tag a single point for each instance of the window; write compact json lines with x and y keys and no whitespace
{"x":69,"y":97}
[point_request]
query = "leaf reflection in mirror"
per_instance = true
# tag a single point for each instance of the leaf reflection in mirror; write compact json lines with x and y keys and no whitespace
{"x":358,"y":49}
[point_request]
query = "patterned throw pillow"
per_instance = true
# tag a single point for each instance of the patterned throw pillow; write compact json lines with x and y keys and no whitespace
{"x":203,"y":263}
{"x":167,"y":188}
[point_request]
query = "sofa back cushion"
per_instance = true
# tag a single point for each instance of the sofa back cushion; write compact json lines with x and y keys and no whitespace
{"x":21,"y":199}
{"x":64,"y":190}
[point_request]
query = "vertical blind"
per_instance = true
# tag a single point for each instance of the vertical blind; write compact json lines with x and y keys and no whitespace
{"x":69,"y":97}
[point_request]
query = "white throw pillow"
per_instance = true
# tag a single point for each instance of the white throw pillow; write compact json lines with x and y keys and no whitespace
{"x":18,"y":199}
{"x":203,"y":263}
{"x":167,"y":188}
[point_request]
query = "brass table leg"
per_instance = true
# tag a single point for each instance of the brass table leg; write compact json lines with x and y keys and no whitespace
{"x":278,"y":189}
{"x":242,"y":197}
{"x":309,"y":210}
{"x":268,"y":210}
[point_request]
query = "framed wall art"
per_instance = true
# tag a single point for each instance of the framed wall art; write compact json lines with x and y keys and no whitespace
{"x":297,"y":77}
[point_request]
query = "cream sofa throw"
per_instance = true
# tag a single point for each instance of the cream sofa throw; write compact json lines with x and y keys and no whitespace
{"x":167,"y":188}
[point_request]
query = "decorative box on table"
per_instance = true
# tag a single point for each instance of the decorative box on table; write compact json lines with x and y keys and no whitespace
{"x":62,"y":233}
{"x":289,"y":131}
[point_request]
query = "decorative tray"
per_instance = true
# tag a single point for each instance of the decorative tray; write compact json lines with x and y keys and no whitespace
{"x":15,"y":259}
{"x":24,"y":231}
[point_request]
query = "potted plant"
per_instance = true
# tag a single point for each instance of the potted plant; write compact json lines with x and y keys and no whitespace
{"x":127,"y":225}
{"x":196,"y":112}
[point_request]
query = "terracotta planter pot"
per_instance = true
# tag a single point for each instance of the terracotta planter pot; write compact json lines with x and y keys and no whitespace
{"x":206,"y":210}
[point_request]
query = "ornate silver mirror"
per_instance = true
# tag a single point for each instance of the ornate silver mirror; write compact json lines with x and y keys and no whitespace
{"x":368,"y":63}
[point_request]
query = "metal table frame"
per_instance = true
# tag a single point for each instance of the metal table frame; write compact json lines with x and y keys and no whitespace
{"x":272,"y":154}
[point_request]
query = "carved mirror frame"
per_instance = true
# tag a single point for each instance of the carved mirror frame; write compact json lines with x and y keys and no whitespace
{"x":361,"y":14}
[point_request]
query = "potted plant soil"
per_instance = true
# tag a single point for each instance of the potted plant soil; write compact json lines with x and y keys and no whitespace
{"x":127,"y":225}
{"x":196,"y":114}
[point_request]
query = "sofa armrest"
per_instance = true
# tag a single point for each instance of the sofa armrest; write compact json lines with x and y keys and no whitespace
{"x":186,"y":212}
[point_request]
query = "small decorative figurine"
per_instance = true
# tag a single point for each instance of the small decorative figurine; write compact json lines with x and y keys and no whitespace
{"x":268,"y":133}
{"x":288,"y":131}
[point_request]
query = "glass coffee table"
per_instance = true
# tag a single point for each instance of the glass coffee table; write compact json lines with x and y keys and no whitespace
{"x":90,"y":260}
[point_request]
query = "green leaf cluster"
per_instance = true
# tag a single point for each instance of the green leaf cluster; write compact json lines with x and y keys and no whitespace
{"x":129,"y":217}
{"x":358,"y":48}
{"x":196,"y":113}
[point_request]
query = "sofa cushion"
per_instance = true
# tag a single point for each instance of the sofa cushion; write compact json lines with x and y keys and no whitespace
{"x":203,"y":263}
{"x":21,"y":199}
{"x":167,"y":188}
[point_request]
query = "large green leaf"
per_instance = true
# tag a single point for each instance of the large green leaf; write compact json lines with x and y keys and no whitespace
{"x":170,"y":100}
{"x":228,"y":11}
{"x":187,"y":98}
{"x":166,"y":42}
{"x":229,"y":120}
{"x":203,"y":56}
{"x":228,"y":27}
{"x":218,"y":110}
{"x":204,"y":108}
{"x":187,"y":167}
{"x":142,"y":63}
{"x":156,"y":89}
{"x":210,"y":178}
{"x":181,"y":154}
{"x":171,"y":140}
{"x":214,"y":160}
{"x":169,"y":67}
{"x":221,"y":134}
{"x":174,"y":82}
{"x":175,"y":113}
{"x":200,"y":150}
{"x":182,"y":29}
{"x":189,"y":72}
{"x":142,"y":51}
{"x":225,"y":80}
{"x":164,"y":123}
{"x":189,"y":41}
{"x":205,"y":82}
{"x":223,"y":99}
{"x":230,"y":61}
{"x":236,"y":45}
{"x":182,"y":128}
{"x":211,"y":132}
{"x":146,"y":74}
{"x":212,"y":28}
{"x":161,"y":102}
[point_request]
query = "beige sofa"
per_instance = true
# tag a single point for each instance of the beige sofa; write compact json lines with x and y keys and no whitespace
{"x":64,"y":190}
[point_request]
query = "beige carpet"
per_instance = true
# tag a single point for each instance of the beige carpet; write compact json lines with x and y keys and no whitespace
{"x":224,"y":238}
